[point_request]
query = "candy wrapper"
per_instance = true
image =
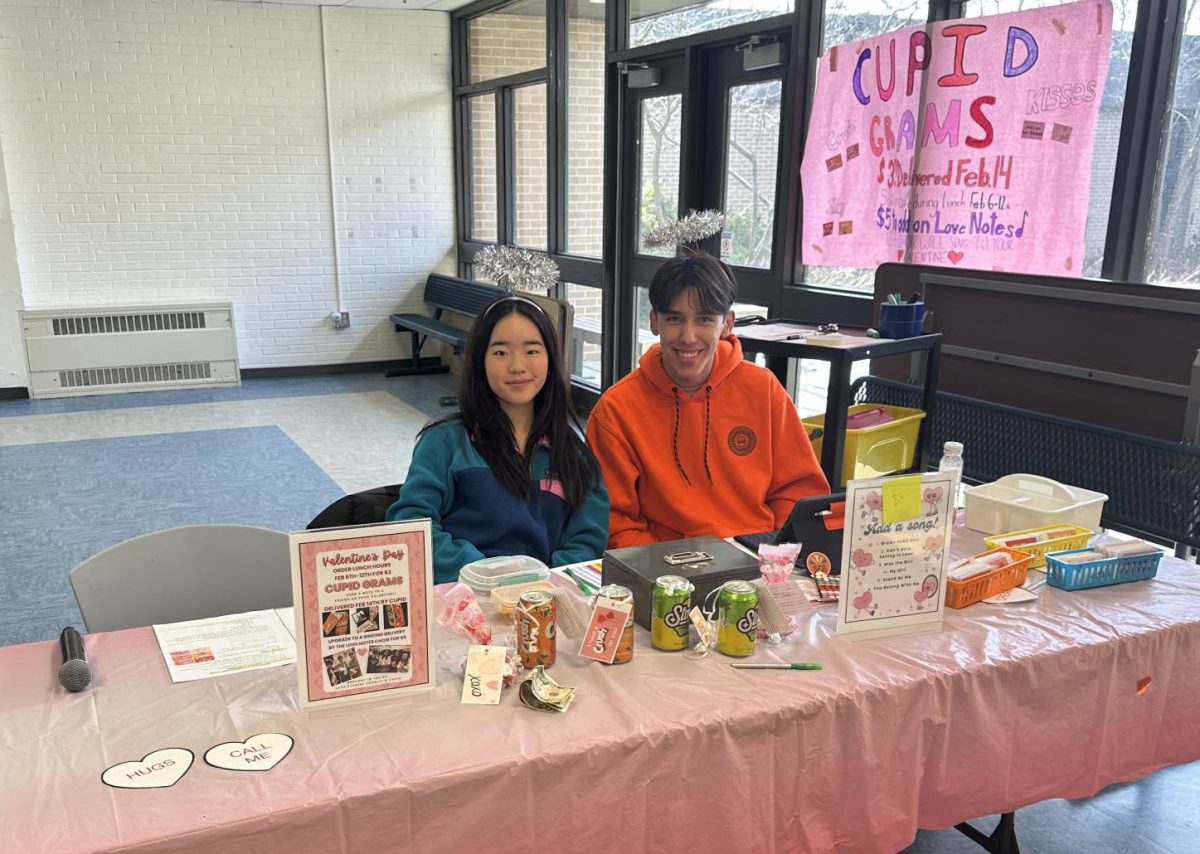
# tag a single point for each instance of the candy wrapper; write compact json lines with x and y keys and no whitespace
{"x":777,"y":562}
{"x":461,"y":613}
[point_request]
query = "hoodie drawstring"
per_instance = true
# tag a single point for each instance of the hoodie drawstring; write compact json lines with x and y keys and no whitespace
{"x":707,"y":410}
{"x":675,"y":438}
{"x":675,"y":433}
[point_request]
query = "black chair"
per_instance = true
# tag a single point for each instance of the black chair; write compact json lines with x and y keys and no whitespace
{"x":359,"y":508}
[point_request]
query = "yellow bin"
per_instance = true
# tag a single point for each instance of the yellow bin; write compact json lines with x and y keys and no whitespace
{"x":879,"y":450}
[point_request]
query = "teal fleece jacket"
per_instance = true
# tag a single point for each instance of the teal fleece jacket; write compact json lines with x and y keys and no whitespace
{"x":475,"y":517}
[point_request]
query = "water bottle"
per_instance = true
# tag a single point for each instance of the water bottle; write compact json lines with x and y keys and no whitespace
{"x":952,"y":462}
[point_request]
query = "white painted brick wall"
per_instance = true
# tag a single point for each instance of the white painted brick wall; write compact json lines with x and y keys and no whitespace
{"x":160,"y":150}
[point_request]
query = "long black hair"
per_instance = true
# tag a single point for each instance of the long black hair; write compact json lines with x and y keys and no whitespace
{"x":554,"y":418}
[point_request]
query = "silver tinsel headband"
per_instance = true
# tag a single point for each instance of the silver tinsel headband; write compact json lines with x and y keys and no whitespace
{"x":516,"y":269}
{"x":692,"y":228}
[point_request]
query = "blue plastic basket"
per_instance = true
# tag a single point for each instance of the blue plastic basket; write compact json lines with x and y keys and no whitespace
{"x":1099,"y":573}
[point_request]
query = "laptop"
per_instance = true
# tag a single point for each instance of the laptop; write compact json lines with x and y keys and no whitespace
{"x":805,"y":524}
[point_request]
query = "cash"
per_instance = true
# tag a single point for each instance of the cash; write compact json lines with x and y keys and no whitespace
{"x":540,"y":691}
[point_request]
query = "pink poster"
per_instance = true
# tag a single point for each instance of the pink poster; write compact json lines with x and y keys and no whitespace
{"x":962,"y":143}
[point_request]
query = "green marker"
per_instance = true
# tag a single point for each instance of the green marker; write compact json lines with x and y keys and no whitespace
{"x":588,"y":589}
{"x":797,"y":666}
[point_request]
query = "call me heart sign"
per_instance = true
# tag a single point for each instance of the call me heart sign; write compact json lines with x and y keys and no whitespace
{"x":260,"y":752}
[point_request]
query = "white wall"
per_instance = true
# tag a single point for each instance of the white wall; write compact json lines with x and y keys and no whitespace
{"x":160,"y":150}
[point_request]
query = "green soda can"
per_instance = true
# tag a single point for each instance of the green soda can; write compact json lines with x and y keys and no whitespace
{"x":670,"y":601}
{"x":737,"y":618}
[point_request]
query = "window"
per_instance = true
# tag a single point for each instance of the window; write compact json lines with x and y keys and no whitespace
{"x":1108,"y":122}
{"x":529,"y":121}
{"x":1173,"y":244}
{"x":844,"y":22}
{"x":659,"y":188}
{"x":585,"y":127}
{"x":507,"y":42}
{"x":481,"y":114}
{"x":588,"y":303}
{"x":516,"y":183}
{"x":653,"y":21}
{"x":750,"y":167}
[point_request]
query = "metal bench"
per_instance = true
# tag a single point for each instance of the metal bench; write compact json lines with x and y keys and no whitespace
{"x":444,"y":293}
{"x":1153,"y":486}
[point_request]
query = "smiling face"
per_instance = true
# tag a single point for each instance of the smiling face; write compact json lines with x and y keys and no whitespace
{"x":516,"y":363}
{"x":689,"y":337}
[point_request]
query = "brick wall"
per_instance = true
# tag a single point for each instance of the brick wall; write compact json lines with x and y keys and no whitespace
{"x":185,"y":150}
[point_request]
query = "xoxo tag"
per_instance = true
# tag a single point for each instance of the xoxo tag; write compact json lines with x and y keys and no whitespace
{"x":260,"y":752}
{"x":158,"y":770}
{"x":484,"y":675}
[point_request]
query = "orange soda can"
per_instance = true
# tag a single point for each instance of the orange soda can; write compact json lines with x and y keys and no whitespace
{"x":536,"y":640}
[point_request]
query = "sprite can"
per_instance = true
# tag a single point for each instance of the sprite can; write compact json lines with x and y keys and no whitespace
{"x":670,"y":601}
{"x":737,"y":618}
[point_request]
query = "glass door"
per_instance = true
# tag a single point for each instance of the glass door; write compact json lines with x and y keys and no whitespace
{"x":700,"y":131}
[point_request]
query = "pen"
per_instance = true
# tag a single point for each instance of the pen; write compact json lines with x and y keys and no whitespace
{"x":795,"y":337}
{"x":588,"y":589}
{"x":797,"y":666}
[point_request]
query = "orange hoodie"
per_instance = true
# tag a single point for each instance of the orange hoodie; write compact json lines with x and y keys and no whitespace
{"x":732,"y":458}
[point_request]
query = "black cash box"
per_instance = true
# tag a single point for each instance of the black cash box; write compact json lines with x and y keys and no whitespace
{"x":637,"y":567}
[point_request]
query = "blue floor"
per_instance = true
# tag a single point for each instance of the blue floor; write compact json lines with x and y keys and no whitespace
{"x":96,"y":493}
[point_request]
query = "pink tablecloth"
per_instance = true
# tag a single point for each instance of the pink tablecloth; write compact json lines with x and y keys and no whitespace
{"x":1005,"y":706}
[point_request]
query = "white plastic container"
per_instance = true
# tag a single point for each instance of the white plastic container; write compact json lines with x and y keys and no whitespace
{"x":487,"y":574}
{"x":1019,"y":501}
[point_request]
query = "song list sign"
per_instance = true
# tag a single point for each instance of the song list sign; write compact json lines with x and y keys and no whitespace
{"x":965,"y":142}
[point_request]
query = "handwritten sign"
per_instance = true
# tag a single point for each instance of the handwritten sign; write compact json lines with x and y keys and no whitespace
{"x":894,"y":568}
{"x":901,"y":498}
{"x":963,"y":143}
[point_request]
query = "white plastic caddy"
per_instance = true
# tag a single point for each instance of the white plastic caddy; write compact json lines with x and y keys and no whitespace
{"x":1019,"y":501}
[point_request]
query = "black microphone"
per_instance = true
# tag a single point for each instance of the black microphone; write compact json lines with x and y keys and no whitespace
{"x":75,"y":673}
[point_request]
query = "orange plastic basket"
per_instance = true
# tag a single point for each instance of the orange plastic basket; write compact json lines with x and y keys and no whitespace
{"x":960,"y":594}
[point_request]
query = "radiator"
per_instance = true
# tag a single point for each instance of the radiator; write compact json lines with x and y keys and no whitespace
{"x":109,"y":349}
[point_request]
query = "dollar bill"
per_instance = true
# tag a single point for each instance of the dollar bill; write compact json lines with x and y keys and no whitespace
{"x":540,"y":691}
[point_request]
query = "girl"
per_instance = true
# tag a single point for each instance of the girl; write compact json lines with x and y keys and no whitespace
{"x":509,"y":474}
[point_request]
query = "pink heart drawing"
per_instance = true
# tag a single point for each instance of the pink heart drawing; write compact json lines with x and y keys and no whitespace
{"x":933,"y":495}
{"x":861,"y":557}
{"x":899,"y":254}
{"x":874,"y":501}
{"x":861,"y":602}
{"x":494,"y":684}
{"x":954,"y":255}
{"x":933,"y":543}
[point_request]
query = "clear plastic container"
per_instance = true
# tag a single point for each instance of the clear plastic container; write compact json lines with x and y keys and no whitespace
{"x":487,"y":574}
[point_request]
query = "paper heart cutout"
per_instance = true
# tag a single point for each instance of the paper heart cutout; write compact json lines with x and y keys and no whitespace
{"x":158,"y":770}
{"x":954,"y":255}
{"x":260,"y":752}
{"x":862,"y":601}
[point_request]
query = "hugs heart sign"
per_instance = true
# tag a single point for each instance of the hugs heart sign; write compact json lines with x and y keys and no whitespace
{"x":260,"y":752}
{"x":158,"y":770}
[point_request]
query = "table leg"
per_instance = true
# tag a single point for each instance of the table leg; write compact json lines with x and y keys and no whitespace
{"x":1003,"y":840}
{"x":924,"y":452}
{"x":837,"y":400}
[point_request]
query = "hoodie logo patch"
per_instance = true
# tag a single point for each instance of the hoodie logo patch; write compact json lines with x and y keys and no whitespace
{"x":742,"y":440}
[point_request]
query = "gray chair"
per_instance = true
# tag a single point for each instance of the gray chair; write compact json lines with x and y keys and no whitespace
{"x":186,"y":573}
